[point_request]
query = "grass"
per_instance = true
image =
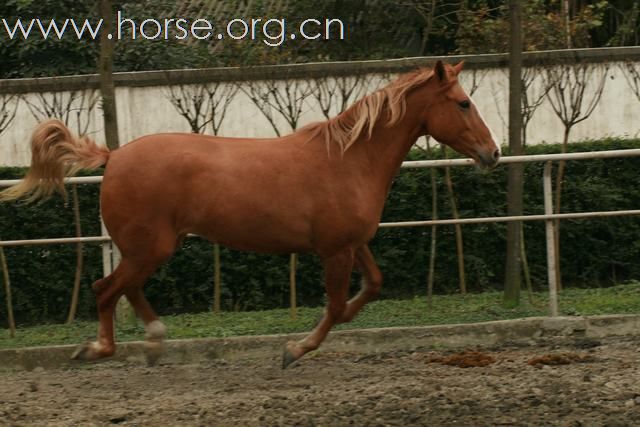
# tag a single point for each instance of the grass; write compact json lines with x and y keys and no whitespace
{"x":446,"y":309}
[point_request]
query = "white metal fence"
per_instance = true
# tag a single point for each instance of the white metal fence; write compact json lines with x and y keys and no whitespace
{"x":111,"y":256}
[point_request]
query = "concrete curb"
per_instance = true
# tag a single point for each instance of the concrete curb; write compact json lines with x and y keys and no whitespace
{"x":528,"y":331}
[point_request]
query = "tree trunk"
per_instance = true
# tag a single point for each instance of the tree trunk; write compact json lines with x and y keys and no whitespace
{"x":217,"y":283}
{"x":558,"y":202}
{"x":124,"y":311}
{"x":525,"y":265}
{"x":458,"y":228}
{"x":107,"y":87}
{"x":7,"y":293}
{"x":566,"y":16}
{"x":434,"y":237}
{"x":523,"y":247}
{"x":79,"y":256}
{"x":515,"y":174}
{"x":293,"y":260}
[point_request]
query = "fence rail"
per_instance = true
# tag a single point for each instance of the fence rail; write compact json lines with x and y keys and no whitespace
{"x":548,"y":216}
{"x":312,"y":70}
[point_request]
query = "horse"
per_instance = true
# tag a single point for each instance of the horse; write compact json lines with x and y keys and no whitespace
{"x":319,"y":190}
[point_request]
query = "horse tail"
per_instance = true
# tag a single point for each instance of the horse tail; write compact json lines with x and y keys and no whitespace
{"x":55,"y":154}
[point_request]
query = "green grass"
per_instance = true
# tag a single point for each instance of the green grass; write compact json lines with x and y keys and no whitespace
{"x":446,"y":309}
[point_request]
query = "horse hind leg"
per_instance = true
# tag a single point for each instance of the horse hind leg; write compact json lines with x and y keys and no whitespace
{"x":127,"y":278}
{"x":371,"y":283}
{"x":156,"y":331}
{"x":337,"y":272}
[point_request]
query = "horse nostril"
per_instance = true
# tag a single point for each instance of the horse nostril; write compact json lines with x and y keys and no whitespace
{"x":496,"y":155}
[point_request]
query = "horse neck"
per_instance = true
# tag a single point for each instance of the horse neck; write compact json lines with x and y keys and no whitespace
{"x":388,"y":146}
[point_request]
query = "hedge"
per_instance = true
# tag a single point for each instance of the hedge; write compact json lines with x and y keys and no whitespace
{"x":595,"y":252}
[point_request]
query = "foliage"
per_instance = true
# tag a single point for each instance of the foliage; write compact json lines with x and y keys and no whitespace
{"x":485,"y":28}
{"x":375,"y":29}
{"x":42,"y":276}
{"x":446,"y":309}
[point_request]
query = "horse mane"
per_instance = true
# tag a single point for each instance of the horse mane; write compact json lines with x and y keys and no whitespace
{"x":361,"y":118}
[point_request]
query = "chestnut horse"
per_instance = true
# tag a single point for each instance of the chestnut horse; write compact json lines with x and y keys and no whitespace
{"x":319,"y":190}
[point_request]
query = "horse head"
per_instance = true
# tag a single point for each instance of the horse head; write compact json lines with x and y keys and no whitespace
{"x":454,"y":120}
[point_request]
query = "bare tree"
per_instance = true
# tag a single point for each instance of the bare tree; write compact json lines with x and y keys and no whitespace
{"x":285,"y":99}
{"x":280,"y":98}
{"x":220,"y":96}
{"x":69,"y":106}
{"x":572,"y":104}
{"x":335,"y":94}
{"x":434,"y":228}
{"x":8,"y":108}
{"x":462,"y":277}
{"x":533,"y":95}
{"x":201,"y":106}
{"x":631,"y":72}
{"x":191,"y":103}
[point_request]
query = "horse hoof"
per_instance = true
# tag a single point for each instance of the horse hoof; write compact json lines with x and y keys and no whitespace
{"x":292,"y":352}
{"x":83,"y":352}
{"x":152,"y":352}
{"x":287,"y":358}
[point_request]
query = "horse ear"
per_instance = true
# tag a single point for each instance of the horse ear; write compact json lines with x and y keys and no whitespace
{"x":440,"y":71}
{"x":458,"y":67}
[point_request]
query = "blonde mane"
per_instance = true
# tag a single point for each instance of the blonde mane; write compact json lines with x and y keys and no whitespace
{"x":360,"y":119}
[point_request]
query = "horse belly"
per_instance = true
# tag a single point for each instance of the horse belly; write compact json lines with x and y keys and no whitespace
{"x":265,"y":229}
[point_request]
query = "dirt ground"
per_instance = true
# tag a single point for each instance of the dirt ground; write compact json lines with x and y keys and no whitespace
{"x":598,"y":386}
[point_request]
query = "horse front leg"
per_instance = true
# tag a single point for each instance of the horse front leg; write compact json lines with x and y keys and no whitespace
{"x":337,"y":270}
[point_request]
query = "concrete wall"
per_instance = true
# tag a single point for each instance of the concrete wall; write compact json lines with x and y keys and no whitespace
{"x":146,"y":108}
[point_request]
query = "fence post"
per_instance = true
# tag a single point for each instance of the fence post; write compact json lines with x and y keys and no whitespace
{"x":551,"y":247}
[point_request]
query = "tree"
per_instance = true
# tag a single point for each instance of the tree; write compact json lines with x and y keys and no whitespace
{"x":434,"y":228}
{"x":532,"y":97}
{"x":631,"y":72}
{"x":7,"y":293}
{"x":8,"y":108}
{"x":484,"y":28}
{"x":105,"y":70}
{"x":572,"y":104}
{"x":335,"y":94}
{"x":437,"y":16}
{"x":515,"y":174}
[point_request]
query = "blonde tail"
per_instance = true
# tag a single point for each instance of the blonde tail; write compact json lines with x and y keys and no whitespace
{"x":55,"y":154}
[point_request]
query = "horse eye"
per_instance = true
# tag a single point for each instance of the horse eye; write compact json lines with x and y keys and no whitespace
{"x":464,"y":104}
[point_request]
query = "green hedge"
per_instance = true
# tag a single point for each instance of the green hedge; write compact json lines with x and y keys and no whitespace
{"x":594,"y":252}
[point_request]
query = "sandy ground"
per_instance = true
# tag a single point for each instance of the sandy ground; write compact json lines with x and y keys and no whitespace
{"x":600,"y":386}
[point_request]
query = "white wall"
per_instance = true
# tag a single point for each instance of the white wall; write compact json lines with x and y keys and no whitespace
{"x":148,"y":110}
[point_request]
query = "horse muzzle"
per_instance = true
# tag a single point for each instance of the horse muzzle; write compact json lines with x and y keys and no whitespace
{"x":488,"y":159}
